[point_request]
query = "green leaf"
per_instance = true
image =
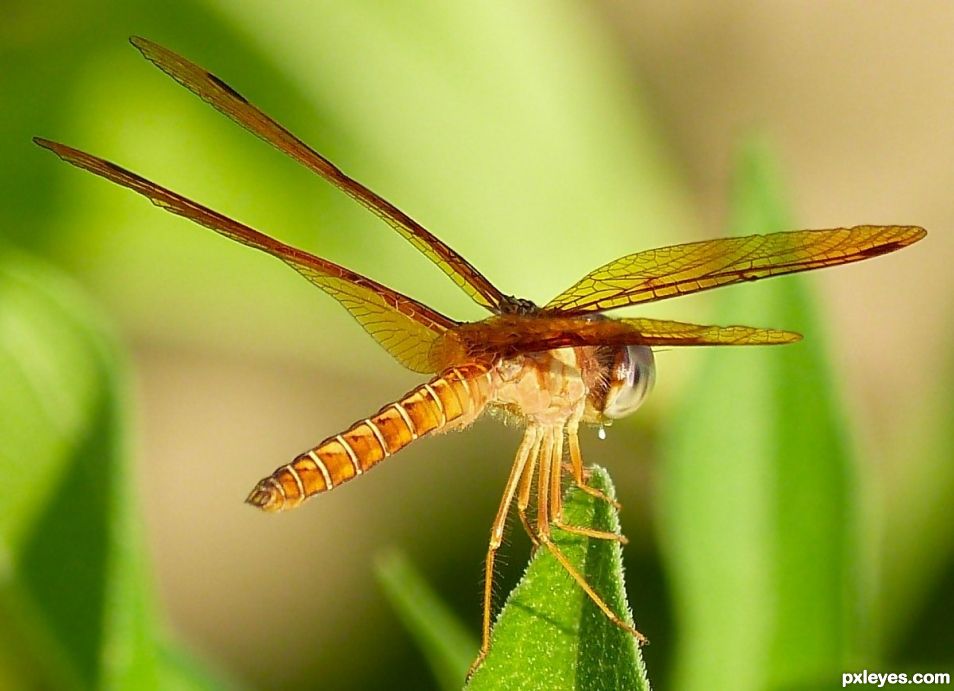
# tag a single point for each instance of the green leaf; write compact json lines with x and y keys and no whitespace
{"x":180,"y":670}
{"x":760,"y":491}
{"x":446,"y":643}
{"x":918,"y":536}
{"x":73,"y":589}
{"x":549,"y":635}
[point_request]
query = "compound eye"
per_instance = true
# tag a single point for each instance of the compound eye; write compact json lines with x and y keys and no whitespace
{"x":630,"y":380}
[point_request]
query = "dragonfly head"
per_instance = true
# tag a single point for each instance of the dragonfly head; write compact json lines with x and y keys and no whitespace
{"x":515,"y":305}
{"x":627,"y":376}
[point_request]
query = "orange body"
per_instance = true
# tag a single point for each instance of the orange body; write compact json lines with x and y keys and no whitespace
{"x":453,"y":399}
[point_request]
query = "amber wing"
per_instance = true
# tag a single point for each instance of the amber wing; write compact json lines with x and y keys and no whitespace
{"x":509,"y":335}
{"x":407,"y":329}
{"x":681,"y":269}
{"x":232,"y":104}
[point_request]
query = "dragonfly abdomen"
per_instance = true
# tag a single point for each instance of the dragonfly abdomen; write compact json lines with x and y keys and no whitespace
{"x":449,"y":401}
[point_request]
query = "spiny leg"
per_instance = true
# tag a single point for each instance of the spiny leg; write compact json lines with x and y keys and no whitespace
{"x":543,"y":484}
{"x":588,"y":589}
{"x":590,"y":532}
{"x":556,"y":501}
{"x":576,"y":461}
{"x":496,"y":537}
{"x":523,"y":493}
{"x":543,"y":526}
{"x":556,"y":477}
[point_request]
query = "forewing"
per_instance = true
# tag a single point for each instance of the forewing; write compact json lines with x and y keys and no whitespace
{"x":660,"y":332}
{"x":229,"y":102}
{"x":405,"y":328}
{"x":682,"y":269}
{"x":510,"y":335}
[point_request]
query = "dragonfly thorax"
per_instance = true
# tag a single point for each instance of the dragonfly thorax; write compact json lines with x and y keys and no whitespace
{"x":566,"y":385}
{"x":515,"y":305}
{"x":546,"y":388}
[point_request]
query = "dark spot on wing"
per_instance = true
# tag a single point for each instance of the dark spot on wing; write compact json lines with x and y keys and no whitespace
{"x":118,"y":169}
{"x":123,"y":173}
{"x":113,"y":167}
{"x":225,"y":87}
{"x":881,"y":249}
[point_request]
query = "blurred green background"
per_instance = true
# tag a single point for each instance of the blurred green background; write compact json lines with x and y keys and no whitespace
{"x":789,"y":513}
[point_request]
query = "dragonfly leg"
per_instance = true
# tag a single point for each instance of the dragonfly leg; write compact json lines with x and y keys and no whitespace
{"x":496,"y":538}
{"x":544,"y":519}
{"x":589,"y":532}
{"x":556,"y":500}
{"x":576,"y":463}
{"x":523,"y":492}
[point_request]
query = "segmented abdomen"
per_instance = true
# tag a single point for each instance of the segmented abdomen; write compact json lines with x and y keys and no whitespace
{"x":453,"y":399}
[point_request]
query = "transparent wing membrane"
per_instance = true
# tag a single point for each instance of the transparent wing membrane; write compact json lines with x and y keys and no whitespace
{"x":659,"y":332}
{"x":407,"y":329}
{"x":229,"y":102}
{"x":682,"y":269}
{"x":426,"y":341}
{"x":510,"y":335}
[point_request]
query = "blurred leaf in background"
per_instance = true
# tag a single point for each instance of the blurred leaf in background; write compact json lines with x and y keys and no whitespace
{"x":74,"y":584}
{"x":761,"y":493}
{"x":446,"y":643}
{"x":915,"y":533}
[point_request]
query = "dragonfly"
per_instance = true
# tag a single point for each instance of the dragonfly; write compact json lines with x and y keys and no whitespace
{"x":554,"y":367}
